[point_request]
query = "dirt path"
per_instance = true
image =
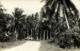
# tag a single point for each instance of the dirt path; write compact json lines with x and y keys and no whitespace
{"x":27,"y":46}
{"x":36,"y":46}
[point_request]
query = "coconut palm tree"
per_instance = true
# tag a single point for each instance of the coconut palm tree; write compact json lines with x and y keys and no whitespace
{"x":18,"y":17}
{"x":61,"y":14}
{"x":65,"y":9}
{"x":10,"y":27}
{"x":2,"y":24}
{"x":61,"y":8}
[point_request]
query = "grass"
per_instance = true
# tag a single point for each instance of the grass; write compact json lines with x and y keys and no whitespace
{"x":4,"y":45}
{"x":53,"y":47}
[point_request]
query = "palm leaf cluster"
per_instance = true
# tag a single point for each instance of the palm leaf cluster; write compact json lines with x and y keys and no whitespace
{"x":17,"y":25}
{"x":64,"y":15}
{"x":57,"y":21}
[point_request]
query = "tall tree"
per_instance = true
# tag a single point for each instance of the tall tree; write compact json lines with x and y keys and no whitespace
{"x":18,"y":16}
{"x":5,"y":20}
{"x":54,"y":9}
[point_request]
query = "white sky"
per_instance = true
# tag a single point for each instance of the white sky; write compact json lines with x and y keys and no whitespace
{"x":29,"y":6}
{"x":77,"y":4}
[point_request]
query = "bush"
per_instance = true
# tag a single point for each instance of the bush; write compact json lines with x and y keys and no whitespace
{"x":68,"y":39}
{"x":4,"y":38}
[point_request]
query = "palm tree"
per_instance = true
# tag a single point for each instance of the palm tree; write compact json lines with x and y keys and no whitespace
{"x":31,"y":25}
{"x":6,"y":28}
{"x":2,"y":23}
{"x":65,"y":9}
{"x":56,"y":8}
{"x":60,"y":13}
{"x":18,"y":16}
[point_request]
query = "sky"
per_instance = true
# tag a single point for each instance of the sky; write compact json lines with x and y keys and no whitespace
{"x":29,"y":6}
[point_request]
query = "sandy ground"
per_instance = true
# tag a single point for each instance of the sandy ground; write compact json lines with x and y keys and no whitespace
{"x":27,"y":46}
{"x":33,"y":46}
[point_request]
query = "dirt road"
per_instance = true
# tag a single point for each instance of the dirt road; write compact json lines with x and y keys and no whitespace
{"x":27,"y":46}
{"x":36,"y":46}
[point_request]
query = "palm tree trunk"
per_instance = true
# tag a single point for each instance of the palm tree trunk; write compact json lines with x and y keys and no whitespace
{"x":67,"y":22}
{"x":44,"y":35}
{"x":37,"y":35}
{"x":31,"y":33}
{"x":16,"y":35}
{"x":27,"y":32}
{"x":40,"y":35}
{"x":47,"y":35}
{"x":50,"y":36}
{"x":66,"y":15}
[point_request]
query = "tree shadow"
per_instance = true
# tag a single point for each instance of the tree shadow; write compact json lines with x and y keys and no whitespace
{"x":45,"y":46}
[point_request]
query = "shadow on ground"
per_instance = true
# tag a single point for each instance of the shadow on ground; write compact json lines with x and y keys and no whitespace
{"x":45,"y":46}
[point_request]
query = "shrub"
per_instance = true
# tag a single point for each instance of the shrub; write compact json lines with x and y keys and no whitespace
{"x":68,"y":39}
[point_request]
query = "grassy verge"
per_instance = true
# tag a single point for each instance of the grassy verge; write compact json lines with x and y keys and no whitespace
{"x":53,"y":47}
{"x":4,"y":45}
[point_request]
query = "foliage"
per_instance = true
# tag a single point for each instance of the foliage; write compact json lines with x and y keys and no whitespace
{"x":58,"y":21}
{"x":65,"y":16}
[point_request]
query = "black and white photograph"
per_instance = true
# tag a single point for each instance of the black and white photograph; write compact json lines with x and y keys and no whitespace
{"x":39,"y":25}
